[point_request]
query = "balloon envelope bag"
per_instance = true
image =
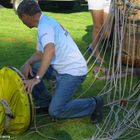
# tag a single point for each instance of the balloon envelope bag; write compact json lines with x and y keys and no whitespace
{"x":15,"y":104}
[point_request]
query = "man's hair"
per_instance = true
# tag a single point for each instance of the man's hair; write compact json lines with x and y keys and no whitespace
{"x":28,"y":7}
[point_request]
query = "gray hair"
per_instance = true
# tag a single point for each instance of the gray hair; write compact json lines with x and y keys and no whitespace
{"x":28,"y":7}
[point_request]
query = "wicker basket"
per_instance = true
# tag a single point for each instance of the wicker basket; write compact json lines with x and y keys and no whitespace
{"x":131,"y":42}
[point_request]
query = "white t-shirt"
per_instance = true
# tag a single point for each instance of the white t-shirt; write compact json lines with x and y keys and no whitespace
{"x":67,"y":59}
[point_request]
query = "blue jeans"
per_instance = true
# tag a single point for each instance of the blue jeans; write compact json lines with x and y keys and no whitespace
{"x":62,"y":104}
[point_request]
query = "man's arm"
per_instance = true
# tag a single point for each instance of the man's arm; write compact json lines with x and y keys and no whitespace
{"x":27,"y":70}
{"x":48,"y":54}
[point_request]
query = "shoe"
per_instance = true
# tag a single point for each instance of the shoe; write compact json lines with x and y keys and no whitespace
{"x":97,"y":115}
{"x":90,"y":50}
{"x":96,"y":60}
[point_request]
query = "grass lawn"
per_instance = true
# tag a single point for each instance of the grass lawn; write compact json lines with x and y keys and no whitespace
{"x":17,"y":43}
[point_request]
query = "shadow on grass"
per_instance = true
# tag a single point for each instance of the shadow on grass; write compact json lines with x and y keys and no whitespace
{"x":15,"y":53}
{"x":88,"y":36}
{"x":61,"y":135}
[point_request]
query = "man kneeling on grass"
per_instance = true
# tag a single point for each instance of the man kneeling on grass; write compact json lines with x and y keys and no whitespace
{"x":57,"y":56}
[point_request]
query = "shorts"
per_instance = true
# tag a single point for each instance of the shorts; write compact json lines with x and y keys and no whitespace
{"x":99,"y":5}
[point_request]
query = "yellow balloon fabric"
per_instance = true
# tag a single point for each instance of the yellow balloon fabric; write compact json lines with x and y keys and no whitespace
{"x":11,"y":90}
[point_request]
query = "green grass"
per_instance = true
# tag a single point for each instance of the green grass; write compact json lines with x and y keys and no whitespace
{"x":17,"y":43}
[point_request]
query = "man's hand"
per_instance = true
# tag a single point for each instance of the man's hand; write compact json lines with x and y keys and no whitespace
{"x":29,"y":84}
{"x":27,"y":70}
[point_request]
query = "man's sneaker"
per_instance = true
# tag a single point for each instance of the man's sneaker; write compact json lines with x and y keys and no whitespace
{"x":96,"y":60}
{"x":90,"y":50}
{"x":97,"y":115}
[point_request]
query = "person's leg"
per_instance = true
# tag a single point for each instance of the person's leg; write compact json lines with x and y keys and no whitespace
{"x":107,"y":19}
{"x":62,"y":104}
{"x":97,"y":17}
{"x":106,"y":25}
{"x":96,"y":9}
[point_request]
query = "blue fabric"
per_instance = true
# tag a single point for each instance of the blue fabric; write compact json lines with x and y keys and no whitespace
{"x":62,"y":104}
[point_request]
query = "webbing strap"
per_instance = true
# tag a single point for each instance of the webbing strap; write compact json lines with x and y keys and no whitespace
{"x":8,"y":113}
